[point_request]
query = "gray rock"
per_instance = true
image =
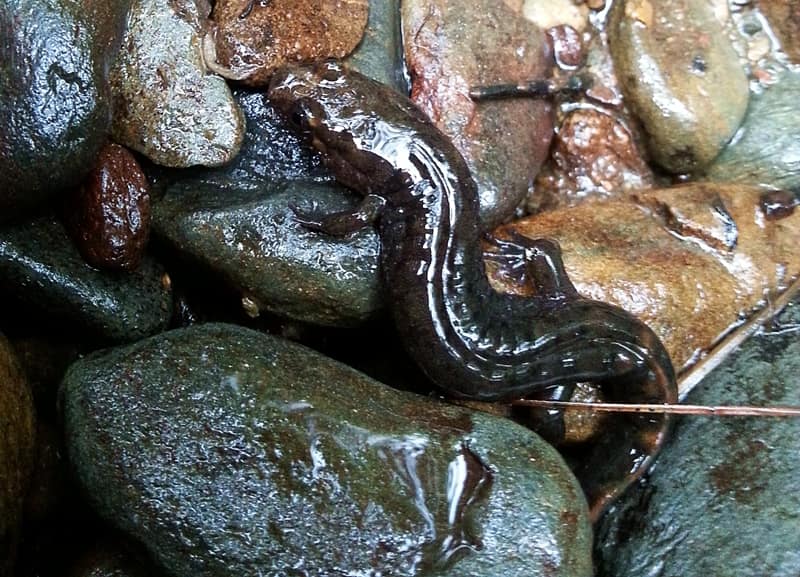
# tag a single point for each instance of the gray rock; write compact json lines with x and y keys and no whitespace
{"x":767,"y":149}
{"x":724,"y":497}
{"x":251,"y":239}
{"x":166,"y":105}
{"x":17,"y":441}
{"x":41,"y":270}
{"x":229,"y":452}
{"x":681,"y":76}
{"x":379,"y":55}
{"x":270,"y":152}
{"x":54,"y":104}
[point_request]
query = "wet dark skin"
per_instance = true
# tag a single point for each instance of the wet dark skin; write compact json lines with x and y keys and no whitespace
{"x":471,"y":341}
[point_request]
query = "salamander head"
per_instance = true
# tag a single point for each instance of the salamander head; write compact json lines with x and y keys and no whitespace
{"x":359,"y":125}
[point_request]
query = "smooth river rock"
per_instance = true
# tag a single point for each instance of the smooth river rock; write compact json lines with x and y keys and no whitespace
{"x":691,"y":261}
{"x":251,"y":240}
{"x":724,"y":497}
{"x":252,"y":38}
{"x":43,"y":274}
{"x":166,"y":104}
{"x":225,"y":451}
{"x":17,"y":442}
{"x":108,"y":216}
{"x":54,"y":95}
{"x":681,"y":76}
{"x":453,"y":45}
{"x":379,"y":55}
{"x":767,"y":149}
{"x":270,"y":151}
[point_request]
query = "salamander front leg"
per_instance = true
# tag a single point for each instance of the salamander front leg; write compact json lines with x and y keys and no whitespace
{"x":344,"y":223}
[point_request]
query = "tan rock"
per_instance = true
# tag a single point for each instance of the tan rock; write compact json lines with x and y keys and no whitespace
{"x":690,"y":261}
{"x":681,"y":76}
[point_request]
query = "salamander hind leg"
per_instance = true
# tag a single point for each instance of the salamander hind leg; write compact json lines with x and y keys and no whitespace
{"x":538,"y":260}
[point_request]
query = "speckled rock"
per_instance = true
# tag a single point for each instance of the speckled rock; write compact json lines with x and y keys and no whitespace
{"x":689,"y":261}
{"x":270,"y":152}
{"x":166,"y":104}
{"x":54,"y":101}
{"x":252,"y":240}
{"x":109,"y":214}
{"x":724,"y":499}
{"x":767,"y":151}
{"x":594,"y":155}
{"x":17,"y":440}
{"x":681,"y":76}
{"x":253,"y":38}
{"x":453,"y":45}
{"x":379,"y":55}
{"x":43,"y":272}
{"x":229,"y":452}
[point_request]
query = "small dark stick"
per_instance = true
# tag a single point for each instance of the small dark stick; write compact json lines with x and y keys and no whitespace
{"x":532,"y":89}
{"x":712,"y":411}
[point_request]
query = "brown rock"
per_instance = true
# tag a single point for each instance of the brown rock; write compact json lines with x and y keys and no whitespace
{"x":568,"y":47}
{"x":689,"y":261}
{"x":109,"y":217}
{"x":254,"y":37}
{"x":17,"y":438}
{"x":784,"y":17}
{"x":455,"y":44}
{"x":594,"y":155}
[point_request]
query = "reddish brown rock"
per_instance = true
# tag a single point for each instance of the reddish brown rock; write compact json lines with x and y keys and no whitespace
{"x":254,"y":37}
{"x":109,"y":217}
{"x":568,"y":48}
{"x":455,"y":44}
{"x":594,"y":155}
{"x":690,"y":261}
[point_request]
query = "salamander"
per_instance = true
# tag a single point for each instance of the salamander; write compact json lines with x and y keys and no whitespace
{"x":469,"y":339}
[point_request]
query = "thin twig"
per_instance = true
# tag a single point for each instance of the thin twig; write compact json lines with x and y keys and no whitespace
{"x":724,"y":411}
{"x":532,"y":88}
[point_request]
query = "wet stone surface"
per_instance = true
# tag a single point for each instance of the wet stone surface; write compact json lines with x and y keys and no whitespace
{"x":166,"y":104}
{"x":228,"y":452}
{"x":42,"y":272}
{"x":689,"y":261}
{"x":252,"y":38}
{"x":594,"y":155}
{"x":250,"y":239}
{"x":724,"y":498}
{"x":681,"y":76}
{"x":379,"y":55}
{"x":17,"y":439}
{"x":451,"y":46}
{"x":108,"y":216}
{"x":54,"y":101}
{"x":766,"y":150}
{"x":270,"y":152}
